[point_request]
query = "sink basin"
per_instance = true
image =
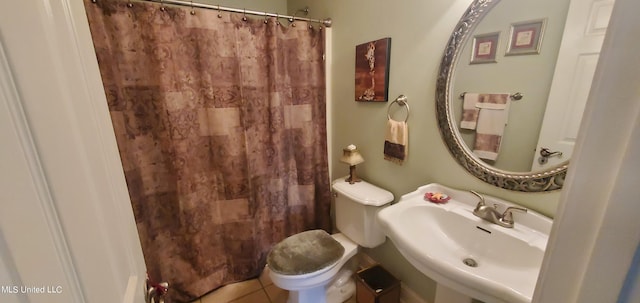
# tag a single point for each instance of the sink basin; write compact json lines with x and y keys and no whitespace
{"x":480,"y":259}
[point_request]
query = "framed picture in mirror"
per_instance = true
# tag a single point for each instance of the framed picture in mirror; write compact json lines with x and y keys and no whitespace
{"x":525,"y":38}
{"x":484,"y":48}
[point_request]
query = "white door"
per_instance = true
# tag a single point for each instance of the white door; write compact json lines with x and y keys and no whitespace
{"x":67,"y":232}
{"x":27,"y":244}
{"x":584,"y":31}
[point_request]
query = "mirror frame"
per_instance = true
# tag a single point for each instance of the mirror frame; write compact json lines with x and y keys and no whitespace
{"x":542,"y":181}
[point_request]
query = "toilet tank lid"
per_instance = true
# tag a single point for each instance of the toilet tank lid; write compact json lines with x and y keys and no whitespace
{"x":363,"y":192}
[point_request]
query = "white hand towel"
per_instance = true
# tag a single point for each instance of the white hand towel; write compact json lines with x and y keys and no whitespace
{"x":396,"y":141}
{"x":469,"y":111}
{"x":489,"y":132}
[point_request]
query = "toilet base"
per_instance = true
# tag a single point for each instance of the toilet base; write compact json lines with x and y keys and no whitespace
{"x":342,"y":287}
{"x":340,"y":290}
{"x":309,"y":295}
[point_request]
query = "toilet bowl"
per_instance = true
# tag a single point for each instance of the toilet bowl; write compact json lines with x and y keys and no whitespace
{"x":356,"y":208}
{"x":312,"y":287}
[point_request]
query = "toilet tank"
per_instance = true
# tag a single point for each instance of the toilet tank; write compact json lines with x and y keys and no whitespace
{"x":356,"y":209}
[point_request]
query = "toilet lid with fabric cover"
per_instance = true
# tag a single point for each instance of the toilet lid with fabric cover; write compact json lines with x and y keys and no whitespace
{"x":305,"y":253}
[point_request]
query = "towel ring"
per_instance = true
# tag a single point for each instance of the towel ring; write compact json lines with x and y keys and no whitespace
{"x":402,"y":101}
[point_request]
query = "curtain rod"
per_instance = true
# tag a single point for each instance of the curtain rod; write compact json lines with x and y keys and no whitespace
{"x":326,"y":22}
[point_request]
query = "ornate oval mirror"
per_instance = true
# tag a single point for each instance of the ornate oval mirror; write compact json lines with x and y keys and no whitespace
{"x":500,"y":48}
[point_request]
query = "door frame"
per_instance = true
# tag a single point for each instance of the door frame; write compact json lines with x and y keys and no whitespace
{"x":67,"y":138}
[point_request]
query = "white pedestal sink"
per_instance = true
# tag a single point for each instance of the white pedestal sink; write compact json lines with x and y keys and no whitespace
{"x":480,"y":259}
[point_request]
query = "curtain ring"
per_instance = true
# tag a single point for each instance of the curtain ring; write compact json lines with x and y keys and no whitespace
{"x":277,"y":19}
{"x":244,"y":14}
{"x":292,"y":22}
{"x":162,"y":5}
{"x":266,"y":18}
{"x":129,"y":4}
{"x":193,"y":11}
{"x":219,"y":14}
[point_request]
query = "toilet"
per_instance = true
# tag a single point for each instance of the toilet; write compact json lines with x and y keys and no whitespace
{"x":356,"y":208}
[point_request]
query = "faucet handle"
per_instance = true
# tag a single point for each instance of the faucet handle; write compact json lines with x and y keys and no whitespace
{"x":481,"y":202}
{"x":507,"y":216}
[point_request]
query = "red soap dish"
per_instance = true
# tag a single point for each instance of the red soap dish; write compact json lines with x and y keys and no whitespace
{"x":436,"y":197}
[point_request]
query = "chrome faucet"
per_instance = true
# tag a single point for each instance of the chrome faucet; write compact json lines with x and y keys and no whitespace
{"x":491,"y":214}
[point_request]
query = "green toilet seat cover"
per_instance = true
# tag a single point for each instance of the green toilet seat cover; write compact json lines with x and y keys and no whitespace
{"x":305,"y":253}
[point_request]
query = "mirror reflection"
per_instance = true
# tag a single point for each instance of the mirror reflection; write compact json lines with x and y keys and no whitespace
{"x":499,"y":48}
{"x":529,"y":74}
{"x":516,"y":145}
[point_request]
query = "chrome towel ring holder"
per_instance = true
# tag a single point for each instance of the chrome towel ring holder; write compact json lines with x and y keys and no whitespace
{"x":402,"y":101}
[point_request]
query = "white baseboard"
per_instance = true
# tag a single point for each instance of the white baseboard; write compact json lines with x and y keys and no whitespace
{"x":407,"y":295}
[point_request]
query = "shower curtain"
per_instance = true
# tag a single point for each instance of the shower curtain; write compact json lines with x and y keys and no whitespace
{"x":220,"y":123}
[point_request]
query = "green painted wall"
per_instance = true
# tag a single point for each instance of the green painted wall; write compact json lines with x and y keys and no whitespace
{"x":419,"y":30}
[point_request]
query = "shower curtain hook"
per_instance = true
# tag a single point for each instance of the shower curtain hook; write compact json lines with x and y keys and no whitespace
{"x":277,"y":19}
{"x":292,"y":19}
{"x":219,"y":14}
{"x":162,"y":5}
{"x":244,"y":14}
{"x":129,"y":4}
{"x":193,"y":11}
{"x":266,"y":18}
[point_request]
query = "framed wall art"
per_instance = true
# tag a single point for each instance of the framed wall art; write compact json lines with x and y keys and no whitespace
{"x":526,"y":37}
{"x":484,"y":48}
{"x":372,"y":70}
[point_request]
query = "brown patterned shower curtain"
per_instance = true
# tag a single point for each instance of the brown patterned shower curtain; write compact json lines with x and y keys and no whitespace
{"x":220,"y":124}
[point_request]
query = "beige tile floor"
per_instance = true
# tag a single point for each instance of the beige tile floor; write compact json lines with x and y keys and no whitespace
{"x":260,"y":290}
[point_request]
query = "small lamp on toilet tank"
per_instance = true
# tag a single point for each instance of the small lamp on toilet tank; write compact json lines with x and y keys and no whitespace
{"x":351,"y":156}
